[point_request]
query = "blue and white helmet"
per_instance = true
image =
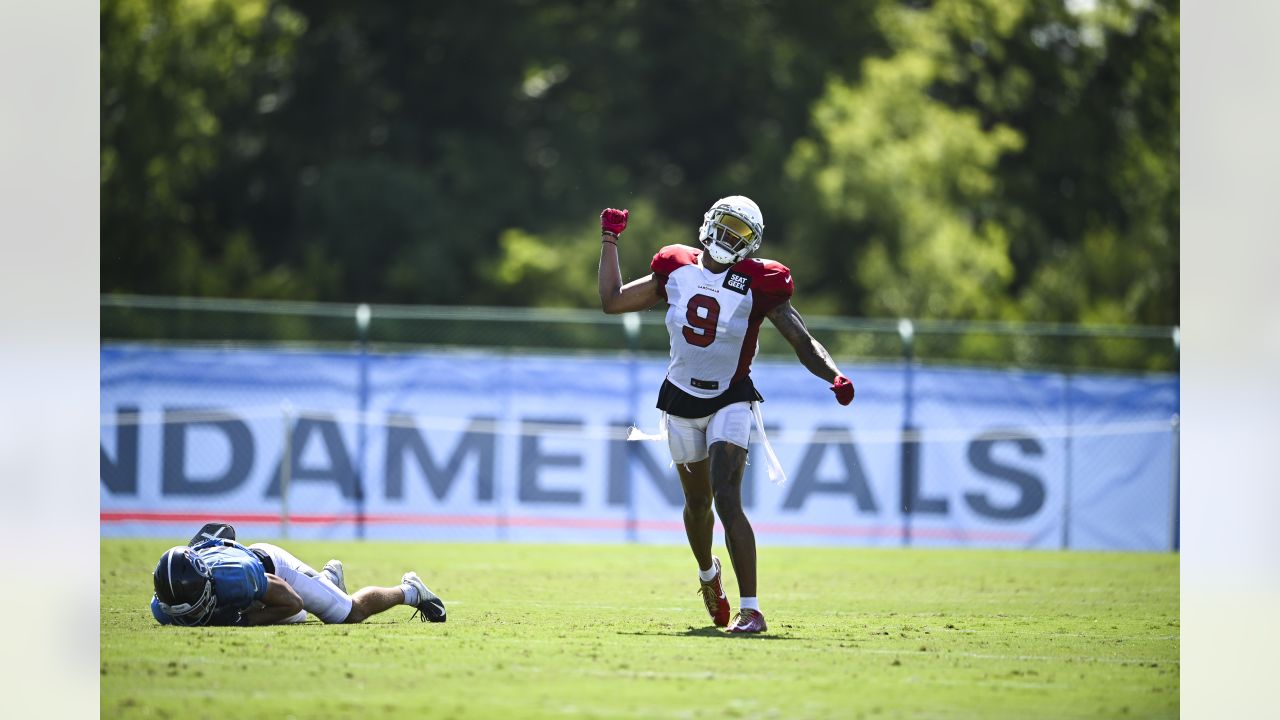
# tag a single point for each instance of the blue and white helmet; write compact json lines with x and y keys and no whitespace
{"x":184,"y":587}
{"x":732,"y":229}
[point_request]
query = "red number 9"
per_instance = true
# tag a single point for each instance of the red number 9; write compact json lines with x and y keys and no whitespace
{"x":706,"y":324}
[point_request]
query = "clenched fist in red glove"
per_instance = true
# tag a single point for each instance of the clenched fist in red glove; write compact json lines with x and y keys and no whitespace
{"x":613,"y":221}
{"x":843,"y":390}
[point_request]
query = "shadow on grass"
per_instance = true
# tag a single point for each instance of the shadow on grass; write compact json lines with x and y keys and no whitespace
{"x":709,"y":632}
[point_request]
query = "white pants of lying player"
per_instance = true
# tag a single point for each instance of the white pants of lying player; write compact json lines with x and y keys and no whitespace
{"x":320,"y":597}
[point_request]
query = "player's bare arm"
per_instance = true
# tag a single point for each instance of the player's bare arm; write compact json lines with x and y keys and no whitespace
{"x":640,"y":294}
{"x":280,"y":602}
{"x":811,"y":353}
{"x":615,"y":297}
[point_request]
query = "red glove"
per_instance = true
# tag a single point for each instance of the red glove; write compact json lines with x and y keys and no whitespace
{"x":613,"y":221}
{"x":843,"y":390}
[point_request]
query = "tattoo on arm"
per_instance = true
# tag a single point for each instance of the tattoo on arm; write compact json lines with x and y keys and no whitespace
{"x":810,"y":352}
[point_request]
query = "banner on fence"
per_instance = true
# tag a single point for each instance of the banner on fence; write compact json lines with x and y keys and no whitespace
{"x":467,"y":446}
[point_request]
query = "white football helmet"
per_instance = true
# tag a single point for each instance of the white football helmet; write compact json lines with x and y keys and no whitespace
{"x":732,"y":229}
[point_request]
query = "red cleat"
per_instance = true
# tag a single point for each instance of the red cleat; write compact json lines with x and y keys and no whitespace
{"x":748,"y":621}
{"x":713,"y":596}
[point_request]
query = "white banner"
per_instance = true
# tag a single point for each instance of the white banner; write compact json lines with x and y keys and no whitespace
{"x":471,"y":446}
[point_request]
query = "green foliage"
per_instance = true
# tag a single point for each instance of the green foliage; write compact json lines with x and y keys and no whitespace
{"x":182,"y":83}
{"x":942,"y":173}
{"x":993,"y":159}
{"x":553,"y":270}
{"x":903,"y":172}
{"x":619,"y":631}
{"x":1118,"y":259}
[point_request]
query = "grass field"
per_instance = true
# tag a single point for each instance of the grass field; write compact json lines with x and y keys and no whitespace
{"x":619,"y":632}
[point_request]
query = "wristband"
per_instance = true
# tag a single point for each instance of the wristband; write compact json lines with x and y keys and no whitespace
{"x":602,"y":242}
{"x":610,"y":233}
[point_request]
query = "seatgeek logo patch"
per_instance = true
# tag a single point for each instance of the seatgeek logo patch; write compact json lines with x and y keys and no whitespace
{"x":737,"y":282}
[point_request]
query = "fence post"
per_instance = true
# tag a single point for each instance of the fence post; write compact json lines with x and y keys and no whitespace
{"x":363,"y":316}
{"x":1175,"y":430}
{"x":1067,"y":467}
{"x":910,"y":470}
{"x":631,"y":326}
{"x":286,"y":466}
{"x":501,"y":508}
{"x":1176,"y":472}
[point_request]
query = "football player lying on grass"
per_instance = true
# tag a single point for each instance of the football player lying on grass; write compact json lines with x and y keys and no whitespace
{"x":214,"y":580}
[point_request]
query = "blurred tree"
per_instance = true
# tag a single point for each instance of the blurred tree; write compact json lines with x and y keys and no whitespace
{"x":1098,"y":194}
{"x":665,"y":107}
{"x":903,"y":183}
{"x":1008,"y":159}
{"x":952,"y":159}
{"x":179,"y":85}
{"x":399,"y":155}
{"x":558,"y":268}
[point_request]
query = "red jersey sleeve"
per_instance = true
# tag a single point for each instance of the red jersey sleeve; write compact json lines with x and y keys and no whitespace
{"x":771,"y":282}
{"x":671,"y":257}
{"x":668,"y":259}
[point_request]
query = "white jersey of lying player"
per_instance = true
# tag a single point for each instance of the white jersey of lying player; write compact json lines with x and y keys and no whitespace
{"x":714,"y":318}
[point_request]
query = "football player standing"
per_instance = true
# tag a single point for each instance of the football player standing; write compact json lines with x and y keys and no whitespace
{"x":717,"y":297}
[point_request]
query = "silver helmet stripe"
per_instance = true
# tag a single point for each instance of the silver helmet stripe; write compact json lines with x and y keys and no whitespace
{"x":173,"y":592}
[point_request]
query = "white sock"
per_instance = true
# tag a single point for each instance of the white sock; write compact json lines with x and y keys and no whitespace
{"x":708,"y":574}
{"x":750,"y":603}
{"x":410,"y":594}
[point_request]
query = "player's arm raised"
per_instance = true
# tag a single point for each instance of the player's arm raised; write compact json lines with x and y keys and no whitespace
{"x":615,"y":297}
{"x":810,"y":352}
{"x":279,"y":602}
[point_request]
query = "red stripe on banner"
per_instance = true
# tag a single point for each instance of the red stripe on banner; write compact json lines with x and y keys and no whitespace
{"x":871,"y":531}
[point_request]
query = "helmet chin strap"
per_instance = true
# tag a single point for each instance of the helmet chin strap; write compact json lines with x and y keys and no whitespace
{"x":720,"y":254}
{"x":721,"y":258}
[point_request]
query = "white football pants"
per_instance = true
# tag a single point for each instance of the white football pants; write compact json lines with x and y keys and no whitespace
{"x":689,"y":438}
{"x":320,"y":596}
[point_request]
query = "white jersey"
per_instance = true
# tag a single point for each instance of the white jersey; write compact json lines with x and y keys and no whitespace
{"x":714,"y":318}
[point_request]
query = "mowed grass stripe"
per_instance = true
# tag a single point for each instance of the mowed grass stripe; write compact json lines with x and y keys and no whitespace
{"x":619,"y":632}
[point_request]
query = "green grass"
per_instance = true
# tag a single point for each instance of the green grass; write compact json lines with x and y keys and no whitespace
{"x":619,"y":632}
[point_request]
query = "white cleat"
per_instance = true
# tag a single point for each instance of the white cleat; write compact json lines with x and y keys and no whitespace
{"x":333,"y":571}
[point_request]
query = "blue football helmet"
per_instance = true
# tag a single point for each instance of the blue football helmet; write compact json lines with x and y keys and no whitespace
{"x":184,"y":587}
